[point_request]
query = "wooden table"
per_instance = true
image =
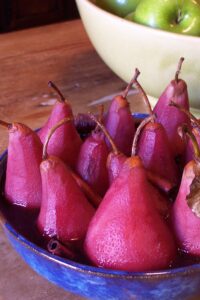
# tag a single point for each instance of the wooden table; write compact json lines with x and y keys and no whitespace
{"x":28,"y":60}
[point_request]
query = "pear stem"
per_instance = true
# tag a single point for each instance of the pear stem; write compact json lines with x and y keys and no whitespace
{"x":100,"y":116}
{"x":55,"y":88}
{"x":50,"y":133}
{"x":138,"y":132}
{"x":57,"y":248}
{"x":162,"y":183}
{"x":181,"y":60}
{"x":101,"y":112}
{"x":184,"y":130}
{"x":140,"y":88}
{"x":194,"y":120}
{"x":93,"y":198}
{"x":126,"y":91}
{"x":5,"y":124}
{"x":110,"y":139}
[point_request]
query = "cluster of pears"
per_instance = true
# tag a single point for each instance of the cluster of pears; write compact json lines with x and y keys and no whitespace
{"x":108,"y":196}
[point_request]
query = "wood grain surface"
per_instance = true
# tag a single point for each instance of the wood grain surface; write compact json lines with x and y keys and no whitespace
{"x":28,"y":60}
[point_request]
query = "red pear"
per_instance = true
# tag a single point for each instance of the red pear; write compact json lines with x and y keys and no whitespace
{"x":127,"y":232}
{"x":120,"y":123}
{"x":168,"y":116}
{"x":151,"y":144}
{"x":23,"y":181}
{"x":188,"y":155}
{"x":65,"y":212}
{"x":115,"y":163}
{"x":186,"y":208}
{"x":91,"y":162}
{"x":63,"y":203}
{"x":66,"y":142}
{"x":94,"y":198}
{"x":115,"y":159}
{"x":155,"y":152}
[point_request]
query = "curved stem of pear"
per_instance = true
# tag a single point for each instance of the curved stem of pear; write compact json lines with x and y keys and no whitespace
{"x":193,"y":119}
{"x":50,"y":133}
{"x":162,"y":183}
{"x":138,"y":132}
{"x":93,"y":198}
{"x":140,"y":88}
{"x":55,"y":88}
{"x":101,"y":112}
{"x":5,"y":124}
{"x":100,"y":116}
{"x":184,"y":130}
{"x":110,"y":139}
{"x":181,"y":60}
{"x":126,"y":91}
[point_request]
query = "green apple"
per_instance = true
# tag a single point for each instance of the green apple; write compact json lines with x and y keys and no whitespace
{"x":118,"y":7}
{"x":180,"y":16}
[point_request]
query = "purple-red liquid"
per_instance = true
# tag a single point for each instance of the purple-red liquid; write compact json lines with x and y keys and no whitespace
{"x":24,"y":222}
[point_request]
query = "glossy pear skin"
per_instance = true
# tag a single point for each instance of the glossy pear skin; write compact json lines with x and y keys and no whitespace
{"x":170,"y":117}
{"x":23,"y":185}
{"x":155,"y":152}
{"x":120,"y":124}
{"x":65,"y":212}
{"x":127,"y":232}
{"x":115,"y":163}
{"x":65,"y":143}
{"x":185,"y":223}
{"x":91,"y":163}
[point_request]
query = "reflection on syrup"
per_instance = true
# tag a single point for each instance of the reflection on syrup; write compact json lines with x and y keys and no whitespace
{"x":24,"y":222}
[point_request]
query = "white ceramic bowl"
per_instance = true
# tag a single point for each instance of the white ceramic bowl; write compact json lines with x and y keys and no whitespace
{"x":124,"y":45}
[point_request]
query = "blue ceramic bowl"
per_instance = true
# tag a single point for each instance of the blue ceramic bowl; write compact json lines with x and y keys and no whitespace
{"x":98,"y":283}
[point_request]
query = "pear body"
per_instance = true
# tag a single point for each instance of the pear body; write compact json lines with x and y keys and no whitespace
{"x":91,"y":163}
{"x":170,"y":117}
{"x":127,"y":232}
{"x":23,"y":185}
{"x":120,"y":124}
{"x":65,"y":143}
{"x":155,"y":151}
{"x":65,"y":212}
{"x":185,"y":223}
{"x":114,"y":165}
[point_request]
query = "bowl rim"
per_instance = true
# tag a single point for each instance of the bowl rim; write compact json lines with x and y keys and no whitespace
{"x":89,"y":269}
{"x":140,"y":27}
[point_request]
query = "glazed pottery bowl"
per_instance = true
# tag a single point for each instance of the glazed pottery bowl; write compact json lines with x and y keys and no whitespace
{"x":98,"y":283}
{"x":124,"y":45}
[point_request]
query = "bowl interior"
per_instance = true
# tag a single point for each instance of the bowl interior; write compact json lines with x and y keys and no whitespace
{"x":13,"y":219}
{"x":84,"y":279}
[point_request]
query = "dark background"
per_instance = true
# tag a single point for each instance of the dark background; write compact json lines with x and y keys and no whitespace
{"x":18,"y":14}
